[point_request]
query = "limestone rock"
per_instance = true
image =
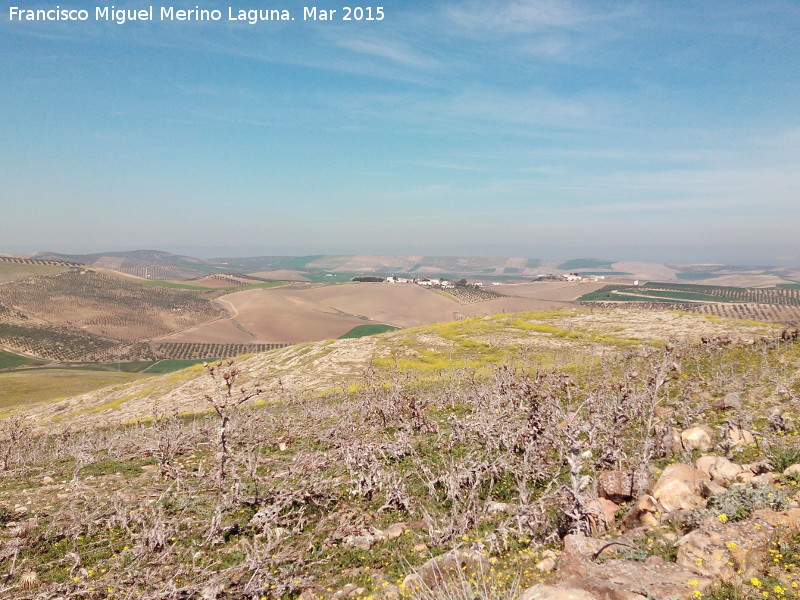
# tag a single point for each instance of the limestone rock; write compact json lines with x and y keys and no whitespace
{"x":791,"y":469}
{"x":622,"y":486}
{"x":555,"y":592}
{"x":363,"y":542}
{"x":738,"y":436}
{"x":679,"y":488}
{"x":719,"y":469}
{"x":643,"y":514}
{"x":734,"y":551}
{"x":729,"y":401}
{"x":548,"y":561}
{"x":602,"y":513}
{"x":394,"y":531}
{"x":456,"y":563}
{"x":618,"y":579}
{"x":700,"y":437}
{"x":494,"y":508}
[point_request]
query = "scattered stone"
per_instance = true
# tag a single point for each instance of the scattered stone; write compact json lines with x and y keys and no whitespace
{"x":791,"y":469}
{"x":709,"y":488}
{"x":456,"y":563}
{"x":420,"y":548}
{"x":394,"y":531}
{"x":602,"y":513}
{"x":555,"y":592}
{"x":719,"y":469}
{"x":617,"y":579}
{"x":732,"y":401}
{"x":548,"y":561}
{"x":699,"y":437}
{"x":734,"y":551}
{"x":363,"y":542}
{"x":47,"y":480}
{"x":738,"y":436}
{"x":494,"y":508}
{"x":679,"y":488}
{"x":622,"y":486}
{"x":312,"y":593}
{"x":643,"y":513}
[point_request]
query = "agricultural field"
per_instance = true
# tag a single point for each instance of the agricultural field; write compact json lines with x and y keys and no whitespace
{"x":194,"y":350}
{"x":473,"y":294}
{"x":365,"y":330}
{"x":300,"y":314}
{"x":557,"y":291}
{"x":27,"y":387}
{"x":81,"y":314}
{"x":9,"y":360}
{"x":775,"y":305}
{"x":12,"y":270}
{"x":107,"y":305}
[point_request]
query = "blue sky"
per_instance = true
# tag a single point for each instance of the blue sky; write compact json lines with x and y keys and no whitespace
{"x":653,"y":130}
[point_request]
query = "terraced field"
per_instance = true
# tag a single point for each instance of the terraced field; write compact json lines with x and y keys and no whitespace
{"x":775,"y":305}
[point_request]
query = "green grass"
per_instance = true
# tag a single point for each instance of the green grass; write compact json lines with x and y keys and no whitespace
{"x":25,"y":387}
{"x":365,"y":330}
{"x":9,"y":360}
{"x":10,"y":271}
{"x":172,"y":365}
{"x":788,"y":286}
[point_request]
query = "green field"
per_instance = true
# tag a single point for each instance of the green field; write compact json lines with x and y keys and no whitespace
{"x":34,"y":386}
{"x":325,"y":277}
{"x":788,"y":286}
{"x":693,"y":287}
{"x":11,"y":361}
{"x":171,"y":365}
{"x":9,"y":271}
{"x":683,"y":295}
{"x":585,"y":263}
{"x":365,"y":330}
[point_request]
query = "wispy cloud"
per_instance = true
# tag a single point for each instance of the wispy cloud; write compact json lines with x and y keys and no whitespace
{"x":515,"y":16}
{"x":396,"y":52}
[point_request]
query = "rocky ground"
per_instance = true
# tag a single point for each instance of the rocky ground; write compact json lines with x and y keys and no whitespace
{"x":659,"y":470}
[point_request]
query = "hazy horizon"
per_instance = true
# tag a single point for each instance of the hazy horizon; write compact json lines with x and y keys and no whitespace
{"x":684,"y":256}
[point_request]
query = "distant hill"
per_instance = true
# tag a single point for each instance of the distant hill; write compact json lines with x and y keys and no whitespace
{"x":165,"y":266}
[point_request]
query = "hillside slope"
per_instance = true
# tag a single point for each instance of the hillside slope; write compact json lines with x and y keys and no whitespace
{"x":581,"y":453}
{"x":547,"y":337}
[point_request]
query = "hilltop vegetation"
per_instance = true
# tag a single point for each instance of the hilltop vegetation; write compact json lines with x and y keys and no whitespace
{"x":488,"y":436}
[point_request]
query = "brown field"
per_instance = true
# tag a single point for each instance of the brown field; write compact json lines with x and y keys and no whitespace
{"x":328,"y":311}
{"x":559,"y":291}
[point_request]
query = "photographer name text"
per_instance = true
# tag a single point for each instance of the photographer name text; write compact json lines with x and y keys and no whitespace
{"x":121,"y":16}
